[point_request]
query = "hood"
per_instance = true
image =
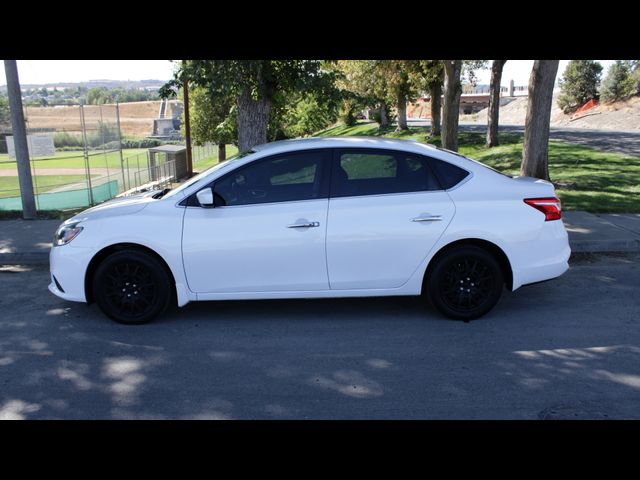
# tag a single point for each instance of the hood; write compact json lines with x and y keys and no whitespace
{"x":116,"y":207}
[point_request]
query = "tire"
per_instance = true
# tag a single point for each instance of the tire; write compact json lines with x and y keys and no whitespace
{"x":464,"y":283}
{"x":132,"y":287}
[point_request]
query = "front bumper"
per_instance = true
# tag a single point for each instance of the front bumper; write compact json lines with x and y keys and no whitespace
{"x":69,"y":265}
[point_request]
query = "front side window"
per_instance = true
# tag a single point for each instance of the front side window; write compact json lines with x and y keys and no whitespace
{"x":373,"y":172}
{"x":282,"y":178}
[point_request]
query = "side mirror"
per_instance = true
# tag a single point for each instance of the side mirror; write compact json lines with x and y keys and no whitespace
{"x":205,"y":197}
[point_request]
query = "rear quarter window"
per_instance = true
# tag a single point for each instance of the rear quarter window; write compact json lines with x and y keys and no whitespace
{"x":448,"y":174}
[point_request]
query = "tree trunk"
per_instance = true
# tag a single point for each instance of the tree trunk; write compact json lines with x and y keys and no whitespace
{"x":253,"y":120}
{"x":402,"y":112}
{"x":535,"y":161}
{"x":222,"y":152}
{"x":451,"y":108}
{"x":384,"y":119}
{"x":494,"y":103}
{"x":435,"y":92}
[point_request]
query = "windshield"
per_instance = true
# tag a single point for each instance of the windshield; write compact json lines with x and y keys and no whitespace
{"x":209,"y":170}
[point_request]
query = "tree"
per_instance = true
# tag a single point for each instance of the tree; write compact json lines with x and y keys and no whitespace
{"x":579,"y":84}
{"x":367,"y":81}
{"x":98,"y":96}
{"x":451,"y":107}
{"x":432,"y":78}
{"x":5,"y":117}
{"x":616,"y":84}
{"x":453,"y":71}
{"x":400,"y":88}
{"x":253,"y":84}
{"x":535,"y":162}
{"x":634,"y":77}
{"x":494,"y":103}
{"x":212,"y":121}
{"x":307,"y":113}
{"x":402,"y":79}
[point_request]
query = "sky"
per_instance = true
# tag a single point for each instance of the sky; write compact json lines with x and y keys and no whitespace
{"x":519,"y":71}
{"x":53,"y":71}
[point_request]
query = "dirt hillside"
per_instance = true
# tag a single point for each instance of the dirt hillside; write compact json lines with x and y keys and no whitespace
{"x":623,"y":116}
{"x":136,"y":118}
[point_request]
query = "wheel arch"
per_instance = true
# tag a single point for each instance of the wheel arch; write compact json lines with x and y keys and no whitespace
{"x":106,"y":251}
{"x":486,"y":245}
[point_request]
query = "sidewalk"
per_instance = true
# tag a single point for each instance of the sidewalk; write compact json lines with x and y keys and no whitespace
{"x":25,"y":242}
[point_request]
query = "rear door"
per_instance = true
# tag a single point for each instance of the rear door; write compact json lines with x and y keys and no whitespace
{"x":386,"y":211}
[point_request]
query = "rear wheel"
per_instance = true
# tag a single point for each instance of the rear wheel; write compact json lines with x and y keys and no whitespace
{"x":131,"y":287}
{"x":464,"y":283}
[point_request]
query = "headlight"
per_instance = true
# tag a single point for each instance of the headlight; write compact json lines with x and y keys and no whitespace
{"x":66,"y":233}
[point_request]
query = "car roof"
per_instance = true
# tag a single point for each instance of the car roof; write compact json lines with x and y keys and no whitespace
{"x":334,"y":142}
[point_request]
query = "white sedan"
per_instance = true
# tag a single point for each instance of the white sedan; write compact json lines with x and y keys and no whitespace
{"x":317,"y":218}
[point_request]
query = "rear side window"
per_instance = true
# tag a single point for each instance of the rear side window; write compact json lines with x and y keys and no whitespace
{"x":448,"y":174}
{"x":373,"y":172}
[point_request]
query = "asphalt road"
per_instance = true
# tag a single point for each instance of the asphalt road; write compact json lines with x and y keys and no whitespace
{"x":627,"y":143}
{"x":569,"y":348}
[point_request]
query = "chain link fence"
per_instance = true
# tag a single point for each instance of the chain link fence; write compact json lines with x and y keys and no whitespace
{"x":87,"y":163}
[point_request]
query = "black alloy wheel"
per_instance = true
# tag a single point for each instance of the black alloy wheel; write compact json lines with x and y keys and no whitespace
{"x":131,"y":287}
{"x":465,"y":283}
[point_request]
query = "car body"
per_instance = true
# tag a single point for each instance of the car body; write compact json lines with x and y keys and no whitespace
{"x":316,"y":218}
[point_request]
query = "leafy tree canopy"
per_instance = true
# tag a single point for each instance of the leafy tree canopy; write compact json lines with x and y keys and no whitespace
{"x":229,"y":78}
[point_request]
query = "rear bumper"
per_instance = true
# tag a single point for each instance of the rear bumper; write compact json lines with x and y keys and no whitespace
{"x":542,"y":258}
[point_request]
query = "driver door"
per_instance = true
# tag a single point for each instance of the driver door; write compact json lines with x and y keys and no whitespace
{"x":267,"y":230}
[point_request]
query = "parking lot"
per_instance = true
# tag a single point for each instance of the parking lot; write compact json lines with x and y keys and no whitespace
{"x":568,"y":348}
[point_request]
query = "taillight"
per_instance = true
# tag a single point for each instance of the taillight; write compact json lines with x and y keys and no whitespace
{"x":550,"y":206}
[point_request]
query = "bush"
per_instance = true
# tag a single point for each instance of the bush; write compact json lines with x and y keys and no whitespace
{"x":104,"y":134}
{"x":375,"y":115}
{"x":348,"y":112}
{"x":579,"y":84}
{"x":307,"y":116}
{"x":141,"y":143}
{"x":65,"y":140}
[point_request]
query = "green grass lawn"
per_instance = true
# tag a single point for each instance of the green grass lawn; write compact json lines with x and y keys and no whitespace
{"x":200,"y":164}
{"x":9,"y":186}
{"x":589,"y":179}
{"x":75,"y":159}
{"x":111,"y":160}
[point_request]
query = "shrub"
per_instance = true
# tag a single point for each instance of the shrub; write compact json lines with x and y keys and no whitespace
{"x":348,"y":112}
{"x":141,"y":142}
{"x":66,"y":139}
{"x":104,"y":134}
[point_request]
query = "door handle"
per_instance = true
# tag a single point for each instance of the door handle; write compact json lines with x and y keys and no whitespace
{"x":304,"y":225}
{"x":429,"y":218}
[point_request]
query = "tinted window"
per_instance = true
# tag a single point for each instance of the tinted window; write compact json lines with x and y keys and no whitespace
{"x":371,"y":173}
{"x":448,"y":174}
{"x":282,"y":178}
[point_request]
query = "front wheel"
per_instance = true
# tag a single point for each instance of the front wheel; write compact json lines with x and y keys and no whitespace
{"x":465,"y":283}
{"x":131,"y":287}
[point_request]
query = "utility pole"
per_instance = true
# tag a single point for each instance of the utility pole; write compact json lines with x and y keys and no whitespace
{"x":187,"y":126}
{"x":20,"y":140}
